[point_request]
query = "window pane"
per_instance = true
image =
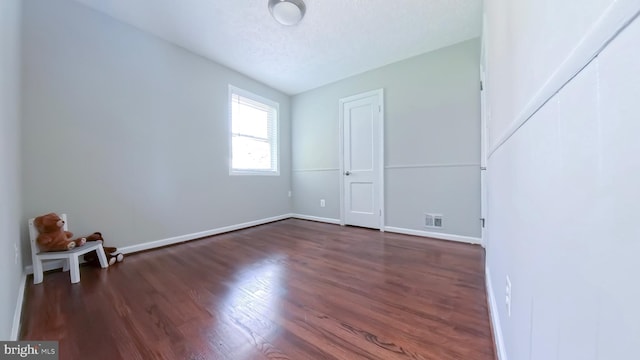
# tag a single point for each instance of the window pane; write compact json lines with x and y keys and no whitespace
{"x":254,"y":134}
{"x":248,"y":120}
{"x":249,"y":153}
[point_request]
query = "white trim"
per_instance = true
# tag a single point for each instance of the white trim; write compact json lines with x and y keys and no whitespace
{"x":615,"y":19}
{"x":254,"y":173}
{"x":316,"y":169}
{"x":316,"y":218}
{"x":193,"y":236}
{"x":341,"y":102}
{"x":17,"y":315}
{"x":435,"y":235}
{"x":341,"y":158}
{"x":381,"y":170}
{"x":443,"y":165}
{"x":483,"y":144}
{"x":493,"y":314}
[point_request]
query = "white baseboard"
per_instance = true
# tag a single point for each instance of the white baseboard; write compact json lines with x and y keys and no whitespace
{"x":316,"y":218}
{"x":57,"y":264}
{"x":17,"y":315}
{"x":495,"y":319}
{"x":188,"y":237}
{"x":434,"y":235}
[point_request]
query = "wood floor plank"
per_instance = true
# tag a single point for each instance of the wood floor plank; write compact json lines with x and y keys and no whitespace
{"x":292,"y":289}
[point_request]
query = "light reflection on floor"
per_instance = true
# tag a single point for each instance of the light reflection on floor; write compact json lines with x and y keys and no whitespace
{"x":253,"y":304}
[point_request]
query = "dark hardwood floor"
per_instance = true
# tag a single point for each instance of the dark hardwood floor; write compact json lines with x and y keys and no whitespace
{"x":293,"y":289}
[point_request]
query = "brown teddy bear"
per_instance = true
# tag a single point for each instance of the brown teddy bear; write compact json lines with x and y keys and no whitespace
{"x":112,"y":253}
{"x":51,"y":237}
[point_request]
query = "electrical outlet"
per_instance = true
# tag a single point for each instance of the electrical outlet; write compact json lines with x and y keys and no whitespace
{"x":322,"y":203}
{"x":15,"y":249}
{"x":508,"y":296}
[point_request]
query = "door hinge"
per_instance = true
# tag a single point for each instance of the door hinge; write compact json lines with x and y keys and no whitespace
{"x":482,"y":220}
{"x":380,"y":212}
{"x":483,"y":168}
{"x":481,"y":86}
{"x":379,"y":108}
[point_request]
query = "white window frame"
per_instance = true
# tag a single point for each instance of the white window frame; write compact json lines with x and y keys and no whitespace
{"x":274,"y":136}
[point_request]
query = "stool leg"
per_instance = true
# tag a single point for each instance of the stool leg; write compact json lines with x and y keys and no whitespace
{"x":74,"y":267}
{"x":37,"y":270}
{"x":102,"y":257}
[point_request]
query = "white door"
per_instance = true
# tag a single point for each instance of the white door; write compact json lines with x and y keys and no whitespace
{"x":361,"y":120}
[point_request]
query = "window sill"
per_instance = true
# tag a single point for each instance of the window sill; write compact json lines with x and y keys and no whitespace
{"x":254,"y":173}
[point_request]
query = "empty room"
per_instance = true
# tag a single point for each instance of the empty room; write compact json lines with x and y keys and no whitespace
{"x":320,"y":179}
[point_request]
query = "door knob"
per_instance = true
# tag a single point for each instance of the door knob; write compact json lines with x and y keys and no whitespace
{"x":347,"y":173}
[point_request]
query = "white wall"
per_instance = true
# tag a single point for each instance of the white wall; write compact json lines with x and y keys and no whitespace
{"x":563,"y":190}
{"x":128,"y":134}
{"x":529,"y":41}
{"x":10,"y":204}
{"x":431,"y":119}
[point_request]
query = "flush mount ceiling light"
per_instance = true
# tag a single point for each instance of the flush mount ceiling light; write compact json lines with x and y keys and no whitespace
{"x":287,"y":12}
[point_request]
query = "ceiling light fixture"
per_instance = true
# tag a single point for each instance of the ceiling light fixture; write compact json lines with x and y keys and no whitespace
{"x":287,"y":12}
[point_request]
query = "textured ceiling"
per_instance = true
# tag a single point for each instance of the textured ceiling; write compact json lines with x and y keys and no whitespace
{"x":336,"y":38}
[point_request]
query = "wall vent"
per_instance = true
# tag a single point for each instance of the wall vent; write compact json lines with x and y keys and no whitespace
{"x":433,"y":220}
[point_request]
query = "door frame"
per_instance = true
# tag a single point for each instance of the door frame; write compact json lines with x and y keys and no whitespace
{"x":380,"y":148}
{"x":484,"y":113}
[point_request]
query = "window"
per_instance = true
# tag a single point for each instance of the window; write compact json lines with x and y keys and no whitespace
{"x":254,"y":134}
